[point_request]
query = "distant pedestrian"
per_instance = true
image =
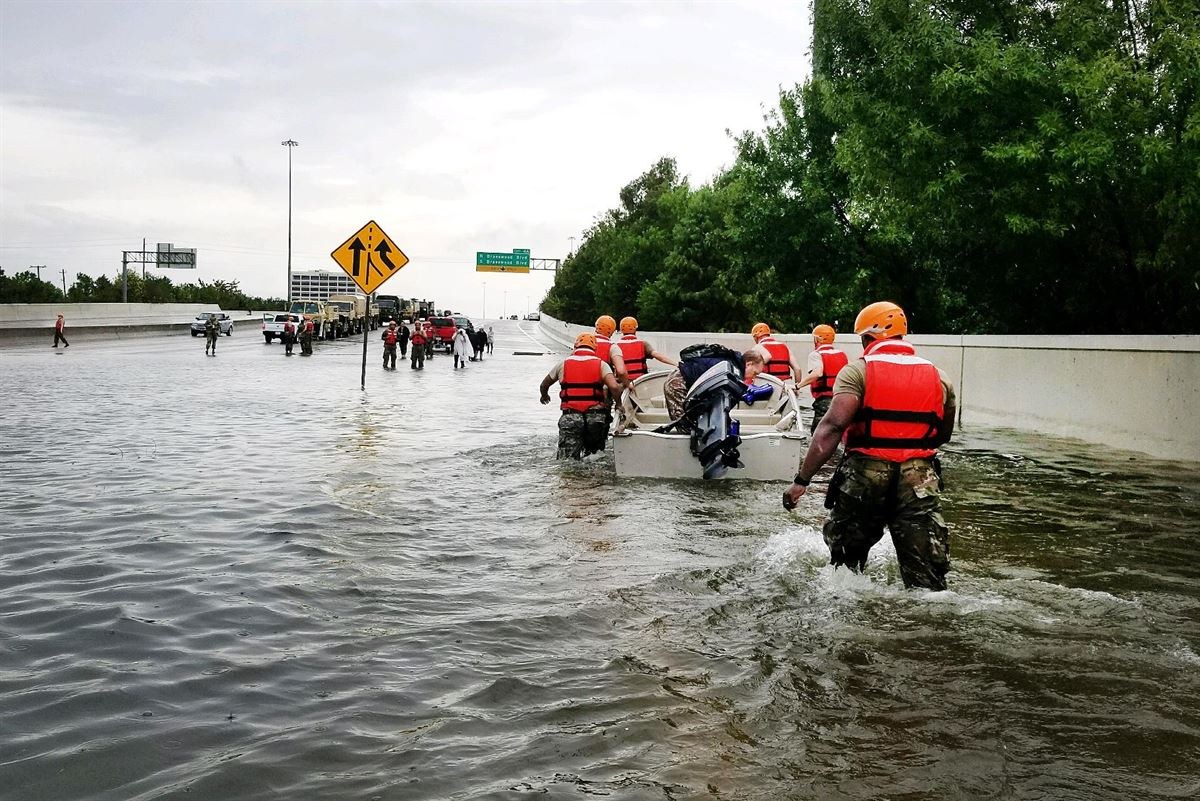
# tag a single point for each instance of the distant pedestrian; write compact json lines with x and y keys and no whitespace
{"x":418,"y":348}
{"x":58,"y":333}
{"x":391,"y":339}
{"x":460,"y":346}
{"x":478,"y":344}
{"x":306,"y":338}
{"x":404,"y":335}
{"x":289,"y":336}
{"x":490,"y":339}
{"x":212,"y":329}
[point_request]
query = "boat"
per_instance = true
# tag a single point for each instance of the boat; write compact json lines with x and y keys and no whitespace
{"x":771,"y":445}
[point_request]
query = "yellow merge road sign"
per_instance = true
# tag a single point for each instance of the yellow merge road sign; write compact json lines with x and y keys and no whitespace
{"x":370,"y":257}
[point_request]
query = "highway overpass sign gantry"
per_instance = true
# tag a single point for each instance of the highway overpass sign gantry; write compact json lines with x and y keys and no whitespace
{"x":370,"y":257}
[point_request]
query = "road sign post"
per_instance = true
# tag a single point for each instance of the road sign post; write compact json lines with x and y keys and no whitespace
{"x":370,"y":257}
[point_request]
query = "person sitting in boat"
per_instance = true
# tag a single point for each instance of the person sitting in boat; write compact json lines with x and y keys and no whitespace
{"x":583,"y":378}
{"x":675,"y":387}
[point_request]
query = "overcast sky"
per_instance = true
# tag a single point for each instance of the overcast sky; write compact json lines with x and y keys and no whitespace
{"x":458,"y":127}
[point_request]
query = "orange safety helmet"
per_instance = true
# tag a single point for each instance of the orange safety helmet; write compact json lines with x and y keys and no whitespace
{"x":882,"y":320}
{"x":824,"y":334}
{"x":586,"y":340}
{"x":760,"y":330}
{"x":628,"y":325}
{"x":605,"y":325}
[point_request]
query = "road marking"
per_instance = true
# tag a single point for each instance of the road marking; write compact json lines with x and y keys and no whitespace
{"x":521,"y":328}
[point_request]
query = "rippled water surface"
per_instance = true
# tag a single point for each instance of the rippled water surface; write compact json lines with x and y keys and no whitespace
{"x":242,"y":577}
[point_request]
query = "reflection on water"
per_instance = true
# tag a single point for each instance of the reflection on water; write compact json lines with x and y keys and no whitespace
{"x":214,"y":588}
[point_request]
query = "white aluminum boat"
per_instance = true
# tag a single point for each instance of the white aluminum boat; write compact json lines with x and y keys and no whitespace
{"x":772,"y":440}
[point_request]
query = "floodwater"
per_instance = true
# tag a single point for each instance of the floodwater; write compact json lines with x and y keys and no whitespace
{"x":242,"y":577}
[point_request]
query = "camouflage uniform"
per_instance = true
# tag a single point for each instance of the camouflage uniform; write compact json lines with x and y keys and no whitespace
{"x":211,"y":330}
{"x":867,"y":494}
{"x":582,"y":433}
{"x":820,"y":407}
{"x":306,"y":340}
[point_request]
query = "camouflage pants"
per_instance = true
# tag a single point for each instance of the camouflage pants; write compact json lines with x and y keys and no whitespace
{"x":820,"y":407}
{"x":675,"y":396}
{"x":582,"y":433}
{"x":870,"y":494}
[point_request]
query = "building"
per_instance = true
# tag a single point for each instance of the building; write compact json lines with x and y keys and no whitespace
{"x":320,"y":284}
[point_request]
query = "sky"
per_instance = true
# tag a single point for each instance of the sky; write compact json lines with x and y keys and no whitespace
{"x":456,"y":126}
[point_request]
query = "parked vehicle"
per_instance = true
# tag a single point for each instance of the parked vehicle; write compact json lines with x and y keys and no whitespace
{"x":388,"y":308}
{"x":462,"y":321}
{"x":351,"y":312}
{"x":324,"y":316}
{"x":223,"y":319}
{"x":443,"y":332}
{"x":272,"y":326}
{"x":535,"y":316}
{"x":513,"y":317}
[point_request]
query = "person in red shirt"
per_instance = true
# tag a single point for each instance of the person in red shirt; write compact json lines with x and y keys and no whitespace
{"x":58,"y":333}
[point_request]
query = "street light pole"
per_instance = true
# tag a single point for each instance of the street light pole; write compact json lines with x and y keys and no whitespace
{"x":289,"y":144}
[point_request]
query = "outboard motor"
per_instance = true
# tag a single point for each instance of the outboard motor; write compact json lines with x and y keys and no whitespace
{"x":710,"y":399}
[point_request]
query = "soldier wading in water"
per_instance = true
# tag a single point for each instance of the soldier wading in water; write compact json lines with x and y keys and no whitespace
{"x":895,"y":409}
{"x":212,"y":329}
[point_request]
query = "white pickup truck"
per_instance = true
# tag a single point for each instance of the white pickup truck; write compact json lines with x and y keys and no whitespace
{"x":272,"y":326}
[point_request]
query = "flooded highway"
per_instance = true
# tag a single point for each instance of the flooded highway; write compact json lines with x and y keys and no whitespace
{"x":242,"y":577}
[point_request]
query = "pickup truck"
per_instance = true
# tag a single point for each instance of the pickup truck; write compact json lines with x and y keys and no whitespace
{"x":443,"y":332}
{"x":272,"y":326}
{"x":223,"y":320}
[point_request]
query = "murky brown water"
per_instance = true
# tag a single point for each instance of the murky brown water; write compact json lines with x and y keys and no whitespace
{"x":244,"y":578}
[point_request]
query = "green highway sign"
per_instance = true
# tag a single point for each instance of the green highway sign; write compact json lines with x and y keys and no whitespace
{"x":517,"y":261}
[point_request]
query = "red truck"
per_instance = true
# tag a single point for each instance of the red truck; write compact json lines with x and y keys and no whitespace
{"x":443,"y":332}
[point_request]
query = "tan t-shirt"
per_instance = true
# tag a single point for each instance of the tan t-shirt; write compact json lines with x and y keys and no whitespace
{"x":852,"y":380}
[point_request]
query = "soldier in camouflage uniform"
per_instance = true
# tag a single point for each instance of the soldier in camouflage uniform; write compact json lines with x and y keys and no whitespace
{"x":212,"y":330}
{"x":582,"y":379}
{"x":895,"y":409}
{"x":306,"y":338}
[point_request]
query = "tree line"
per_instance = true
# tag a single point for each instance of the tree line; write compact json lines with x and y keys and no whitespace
{"x":26,"y":287}
{"x":993,"y":166}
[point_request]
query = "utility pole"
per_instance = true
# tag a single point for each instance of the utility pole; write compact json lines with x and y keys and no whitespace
{"x":289,"y":144}
{"x":39,"y":268}
{"x":64,"y":282}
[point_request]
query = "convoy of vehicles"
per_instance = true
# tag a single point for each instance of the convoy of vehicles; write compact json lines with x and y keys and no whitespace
{"x":351,"y":314}
{"x":224,"y":320}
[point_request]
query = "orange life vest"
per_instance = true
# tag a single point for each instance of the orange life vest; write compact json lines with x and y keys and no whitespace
{"x":902,"y":405}
{"x":581,"y":385}
{"x":832,"y":362}
{"x":418,"y":338}
{"x":780,"y":363}
{"x":633,"y":350}
{"x":389,"y":337}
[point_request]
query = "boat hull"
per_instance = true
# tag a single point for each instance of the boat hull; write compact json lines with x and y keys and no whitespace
{"x":773,"y":456}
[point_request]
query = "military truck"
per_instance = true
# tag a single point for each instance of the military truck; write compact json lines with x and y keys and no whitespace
{"x":352,"y":314}
{"x":324,"y":316}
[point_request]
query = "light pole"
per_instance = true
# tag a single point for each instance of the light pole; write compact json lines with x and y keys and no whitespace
{"x":485,"y":300}
{"x":289,"y":144}
{"x":504,"y":308}
{"x":572,"y":243}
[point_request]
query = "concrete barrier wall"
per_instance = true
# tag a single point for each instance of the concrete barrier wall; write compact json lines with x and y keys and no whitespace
{"x":78,"y":315}
{"x":1138,"y":393}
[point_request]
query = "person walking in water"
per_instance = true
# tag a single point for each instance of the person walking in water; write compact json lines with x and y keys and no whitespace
{"x":418,"y":347}
{"x":212,"y":329}
{"x":402,"y":338}
{"x":895,"y":409}
{"x":306,"y":338}
{"x":824,"y":363}
{"x":289,"y":336}
{"x":582,"y":379}
{"x":491,"y":338}
{"x":461,"y":347}
{"x":58,"y":333}
{"x":391,"y":338}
